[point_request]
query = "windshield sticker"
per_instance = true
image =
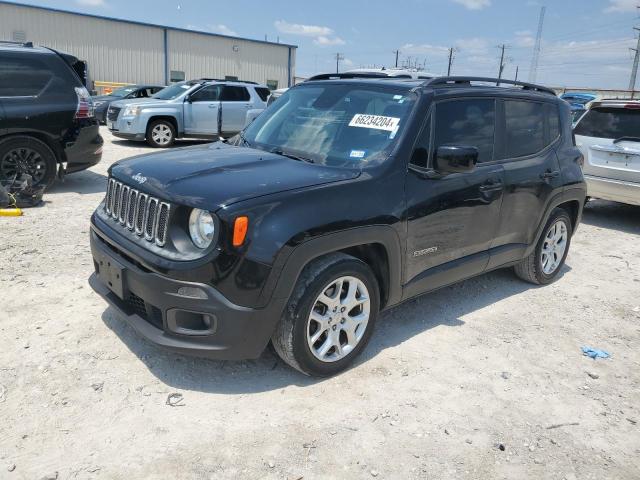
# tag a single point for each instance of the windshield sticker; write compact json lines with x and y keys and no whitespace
{"x":377,"y":122}
{"x":357,"y":154}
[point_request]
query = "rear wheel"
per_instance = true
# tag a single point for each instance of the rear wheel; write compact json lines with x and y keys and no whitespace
{"x":161,"y":134}
{"x":27,"y":155}
{"x":546,"y":261}
{"x":330,"y":316}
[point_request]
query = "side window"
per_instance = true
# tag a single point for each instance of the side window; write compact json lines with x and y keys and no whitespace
{"x":263,"y":93}
{"x":234,"y":94}
{"x":420,"y":156}
{"x":553,"y":118}
{"x":206,"y":94}
{"x":524,"y":128}
{"x":22,"y":75}
{"x":469,"y":123}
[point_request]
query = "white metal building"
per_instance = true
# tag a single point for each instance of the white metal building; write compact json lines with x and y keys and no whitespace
{"x":122,"y":51}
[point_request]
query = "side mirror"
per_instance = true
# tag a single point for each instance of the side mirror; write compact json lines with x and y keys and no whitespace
{"x":456,"y":159}
{"x":188,"y":99}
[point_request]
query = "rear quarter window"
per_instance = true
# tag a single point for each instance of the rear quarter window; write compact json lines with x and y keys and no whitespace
{"x":263,"y":93}
{"x":23,"y":76}
{"x":609,"y":122}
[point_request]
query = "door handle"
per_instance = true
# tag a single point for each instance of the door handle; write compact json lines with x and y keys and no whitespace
{"x":548,"y":175}
{"x":491,"y":185}
{"x":213,"y":106}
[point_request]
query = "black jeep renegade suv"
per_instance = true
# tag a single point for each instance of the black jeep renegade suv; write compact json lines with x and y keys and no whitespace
{"x":346,"y":196}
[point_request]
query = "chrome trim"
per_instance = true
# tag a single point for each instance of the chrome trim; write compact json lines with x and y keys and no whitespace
{"x":124,"y":204}
{"x":160,"y":240}
{"x":143,"y":197}
{"x":133,"y":204}
{"x":150,"y":222}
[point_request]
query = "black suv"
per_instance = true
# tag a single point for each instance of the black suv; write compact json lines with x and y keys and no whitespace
{"x":345,"y":197}
{"x":47,"y":124}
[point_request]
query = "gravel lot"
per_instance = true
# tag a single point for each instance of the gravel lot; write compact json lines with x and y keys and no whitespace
{"x":484,"y":379}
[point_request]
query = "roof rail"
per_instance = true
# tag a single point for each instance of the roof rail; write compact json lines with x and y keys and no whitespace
{"x":448,"y":81}
{"x":340,"y":76}
{"x":20,"y":44}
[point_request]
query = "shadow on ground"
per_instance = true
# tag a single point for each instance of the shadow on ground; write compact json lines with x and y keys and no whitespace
{"x":443,"y":308}
{"x":81,"y":182}
{"x":616,"y":216}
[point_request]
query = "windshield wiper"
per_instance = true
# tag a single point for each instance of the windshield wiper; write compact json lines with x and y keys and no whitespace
{"x":279,"y":151}
{"x":626,"y":139}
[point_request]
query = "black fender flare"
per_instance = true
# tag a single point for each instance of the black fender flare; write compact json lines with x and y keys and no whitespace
{"x":289,"y":264}
{"x":577,"y":194}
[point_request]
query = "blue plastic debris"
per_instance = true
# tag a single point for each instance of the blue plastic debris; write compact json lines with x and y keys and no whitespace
{"x":595,"y":353}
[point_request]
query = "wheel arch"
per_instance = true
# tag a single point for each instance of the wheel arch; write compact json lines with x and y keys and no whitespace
{"x":169,"y":118}
{"x":54,"y":146}
{"x":377,"y":246}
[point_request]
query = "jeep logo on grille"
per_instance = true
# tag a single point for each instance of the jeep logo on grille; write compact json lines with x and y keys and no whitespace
{"x":139,"y":178}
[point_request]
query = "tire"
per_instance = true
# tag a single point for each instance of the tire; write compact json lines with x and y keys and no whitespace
{"x":161,"y":134}
{"x":25,"y":154}
{"x":534,"y":268}
{"x":291,"y":338}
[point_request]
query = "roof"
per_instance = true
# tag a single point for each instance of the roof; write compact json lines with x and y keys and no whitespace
{"x":132,"y":22}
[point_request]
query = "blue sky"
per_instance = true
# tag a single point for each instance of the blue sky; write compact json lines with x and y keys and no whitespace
{"x":585,"y":42}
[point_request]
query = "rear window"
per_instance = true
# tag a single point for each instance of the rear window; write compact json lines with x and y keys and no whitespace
{"x":607,"y":122}
{"x":263,"y":92}
{"x":23,"y":75}
{"x":234,"y":94}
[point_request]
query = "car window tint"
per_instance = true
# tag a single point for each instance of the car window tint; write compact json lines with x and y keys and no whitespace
{"x":469,"y":123}
{"x":210,"y":93}
{"x":22,"y":76}
{"x":420,"y":157}
{"x":553,"y":117}
{"x":524,"y":122}
{"x":612,"y":123}
{"x":234,"y":94}
{"x":263,"y":93}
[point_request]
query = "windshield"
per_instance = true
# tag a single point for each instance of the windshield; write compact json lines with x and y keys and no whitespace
{"x":121,"y":92}
{"x":613,"y":123}
{"x":173,"y":91}
{"x":333,"y":124}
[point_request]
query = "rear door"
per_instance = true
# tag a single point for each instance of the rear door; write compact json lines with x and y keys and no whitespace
{"x":201,"y":111}
{"x":609,"y":138}
{"x":529,"y":132}
{"x":236,"y":102}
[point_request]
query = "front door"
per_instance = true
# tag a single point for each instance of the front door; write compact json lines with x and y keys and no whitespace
{"x":236,"y":102}
{"x":201,"y":111}
{"x":452,"y":219}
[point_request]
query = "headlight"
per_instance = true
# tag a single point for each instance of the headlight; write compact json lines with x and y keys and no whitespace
{"x":131,"y":110}
{"x":202,"y":228}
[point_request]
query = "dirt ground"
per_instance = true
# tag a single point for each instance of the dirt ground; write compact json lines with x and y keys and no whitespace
{"x":482,"y":380}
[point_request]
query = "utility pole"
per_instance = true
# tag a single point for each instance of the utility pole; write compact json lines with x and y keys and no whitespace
{"x":397,"y":52}
{"x":339,"y":57}
{"x":451,"y":50}
{"x":636,"y":59}
{"x":517,"y":68}
{"x":501,"y":67}
{"x":533,"y":71}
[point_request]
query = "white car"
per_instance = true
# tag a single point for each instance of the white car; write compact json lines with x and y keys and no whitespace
{"x":609,"y":137}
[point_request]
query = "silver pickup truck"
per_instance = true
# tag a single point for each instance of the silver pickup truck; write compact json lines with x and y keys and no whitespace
{"x":194,"y":109}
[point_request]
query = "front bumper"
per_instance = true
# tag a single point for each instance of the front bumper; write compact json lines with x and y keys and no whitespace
{"x":184,"y":317}
{"x":613,"y":190}
{"x":130,"y":127}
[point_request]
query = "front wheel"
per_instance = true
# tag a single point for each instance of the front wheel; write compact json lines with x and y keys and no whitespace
{"x":330,"y":316}
{"x":545,"y":262}
{"x":161,"y":134}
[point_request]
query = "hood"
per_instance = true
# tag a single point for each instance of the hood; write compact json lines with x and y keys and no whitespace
{"x":137,"y":101}
{"x":216,"y":175}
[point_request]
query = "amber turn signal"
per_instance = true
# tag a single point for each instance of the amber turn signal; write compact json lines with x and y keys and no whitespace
{"x":240,"y":228}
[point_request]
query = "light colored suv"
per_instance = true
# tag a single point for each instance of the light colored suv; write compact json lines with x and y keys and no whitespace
{"x":609,"y":137}
{"x":195,"y":109}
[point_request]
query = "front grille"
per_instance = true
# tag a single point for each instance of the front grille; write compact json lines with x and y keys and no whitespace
{"x":112,"y":113}
{"x":143,"y":214}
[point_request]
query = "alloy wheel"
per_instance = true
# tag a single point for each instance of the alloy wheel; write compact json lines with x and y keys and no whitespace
{"x":338,"y":319}
{"x":23,"y":160}
{"x":161,"y":134}
{"x":554,"y":247}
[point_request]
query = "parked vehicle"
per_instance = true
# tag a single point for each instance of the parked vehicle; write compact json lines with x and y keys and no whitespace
{"x":47,"y":124}
{"x":394,"y":72}
{"x":102,"y":102}
{"x":609,"y":137}
{"x":342,"y":199}
{"x":276,"y":94}
{"x":195,"y":109}
{"x":578,"y":103}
